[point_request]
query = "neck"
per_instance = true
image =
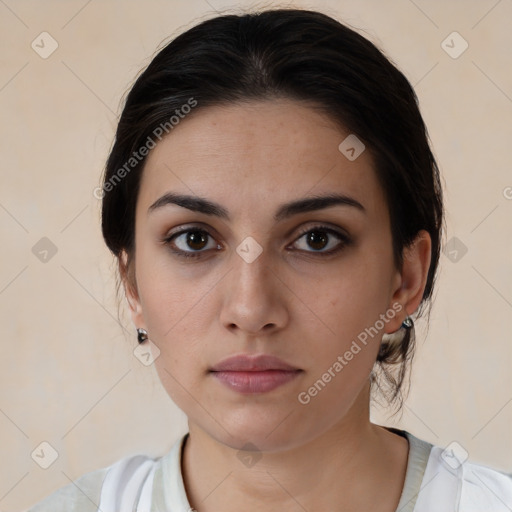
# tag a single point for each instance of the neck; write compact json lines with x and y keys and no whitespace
{"x":355,"y":464}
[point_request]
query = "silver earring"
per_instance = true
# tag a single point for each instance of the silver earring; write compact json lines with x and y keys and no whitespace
{"x":407,"y":323}
{"x":142,"y":335}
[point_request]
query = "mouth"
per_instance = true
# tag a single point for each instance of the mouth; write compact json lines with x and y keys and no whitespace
{"x":254,"y":374}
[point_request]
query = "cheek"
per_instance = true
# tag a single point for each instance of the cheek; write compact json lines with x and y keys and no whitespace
{"x":350,"y":298}
{"x":342,"y":357}
{"x":172,"y":298}
{"x":181,"y":343}
{"x":174,"y":312}
{"x":347,"y":307}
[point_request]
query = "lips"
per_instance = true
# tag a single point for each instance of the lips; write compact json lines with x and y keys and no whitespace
{"x":254,"y":374}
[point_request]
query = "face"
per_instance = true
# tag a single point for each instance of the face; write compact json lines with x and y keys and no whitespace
{"x":253,"y":277}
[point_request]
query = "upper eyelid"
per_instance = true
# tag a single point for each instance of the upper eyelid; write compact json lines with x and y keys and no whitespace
{"x":185,"y":229}
{"x":199,"y":227}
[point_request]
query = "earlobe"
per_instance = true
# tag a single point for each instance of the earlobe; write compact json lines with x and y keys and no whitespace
{"x":413,"y":278}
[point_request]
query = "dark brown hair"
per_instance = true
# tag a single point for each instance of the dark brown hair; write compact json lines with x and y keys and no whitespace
{"x":306,"y":56}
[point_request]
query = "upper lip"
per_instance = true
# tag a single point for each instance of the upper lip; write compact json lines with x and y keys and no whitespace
{"x":260,"y":362}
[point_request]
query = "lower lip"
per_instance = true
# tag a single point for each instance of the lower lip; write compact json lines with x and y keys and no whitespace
{"x":256,"y":382}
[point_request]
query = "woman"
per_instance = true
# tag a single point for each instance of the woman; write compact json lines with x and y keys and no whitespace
{"x":277,"y":214}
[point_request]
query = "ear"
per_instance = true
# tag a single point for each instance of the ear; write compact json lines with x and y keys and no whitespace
{"x":409,"y":284}
{"x":127,"y":273}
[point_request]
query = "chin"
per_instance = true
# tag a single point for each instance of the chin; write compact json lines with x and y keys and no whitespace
{"x":261,"y":436}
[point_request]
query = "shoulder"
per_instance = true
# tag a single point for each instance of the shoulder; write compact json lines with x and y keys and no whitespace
{"x":86,"y":492}
{"x":482,"y":485}
{"x":80,"y":495}
{"x":453,"y":482}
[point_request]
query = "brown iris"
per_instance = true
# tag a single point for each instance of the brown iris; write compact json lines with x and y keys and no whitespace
{"x":197,"y":239}
{"x":316,"y":238}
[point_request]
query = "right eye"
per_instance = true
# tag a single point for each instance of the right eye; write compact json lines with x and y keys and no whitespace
{"x":190,"y":242}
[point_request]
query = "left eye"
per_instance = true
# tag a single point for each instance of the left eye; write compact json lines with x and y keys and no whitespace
{"x":321,"y":239}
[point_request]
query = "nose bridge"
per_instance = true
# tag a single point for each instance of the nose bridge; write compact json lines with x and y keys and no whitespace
{"x":250,"y":272}
{"x":252,"y":300}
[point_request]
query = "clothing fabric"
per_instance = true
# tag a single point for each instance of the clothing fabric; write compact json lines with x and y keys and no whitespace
{"x":140,"y":483}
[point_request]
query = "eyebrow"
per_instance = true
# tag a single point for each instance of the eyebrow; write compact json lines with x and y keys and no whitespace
{"x":286,"y":210}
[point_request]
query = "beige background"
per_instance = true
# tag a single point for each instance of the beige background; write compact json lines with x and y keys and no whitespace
{"x":68,"y":373}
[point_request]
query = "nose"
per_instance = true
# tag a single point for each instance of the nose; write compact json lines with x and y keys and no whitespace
{"x":254,"y":297}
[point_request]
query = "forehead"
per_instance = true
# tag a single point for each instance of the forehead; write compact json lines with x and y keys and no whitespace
{"x":259,"y":152}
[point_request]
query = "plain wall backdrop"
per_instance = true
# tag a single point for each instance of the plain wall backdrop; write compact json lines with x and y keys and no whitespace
{"x":68,"y":372}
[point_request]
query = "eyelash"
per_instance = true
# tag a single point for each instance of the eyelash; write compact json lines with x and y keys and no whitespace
{"x":344,"y":241}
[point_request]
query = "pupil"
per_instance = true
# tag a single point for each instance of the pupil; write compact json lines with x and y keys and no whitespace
{"x":316,"y":237}
{"x":196,"y":237}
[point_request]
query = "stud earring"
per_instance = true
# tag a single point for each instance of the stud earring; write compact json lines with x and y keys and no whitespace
{"x":142,"y":335}
{"x":407,"y":323}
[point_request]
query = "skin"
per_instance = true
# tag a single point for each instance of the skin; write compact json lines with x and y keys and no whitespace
{"x":291,"y":302}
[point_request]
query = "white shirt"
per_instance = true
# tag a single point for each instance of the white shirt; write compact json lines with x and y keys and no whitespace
{"x":436,"y":481}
